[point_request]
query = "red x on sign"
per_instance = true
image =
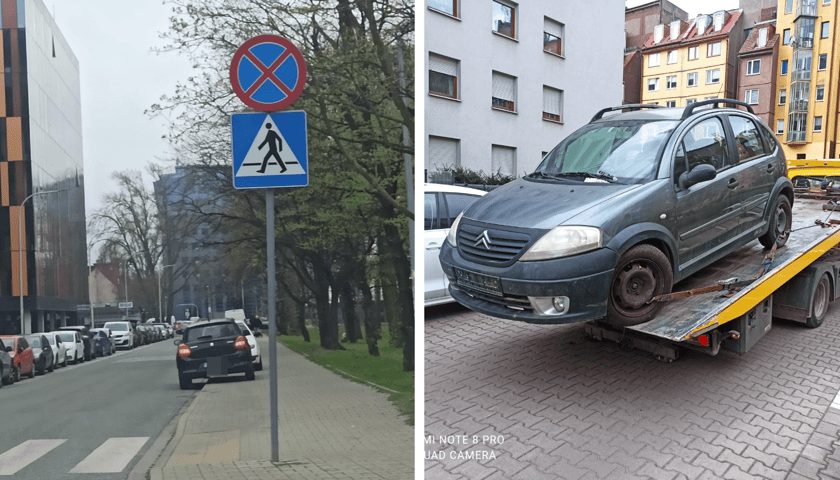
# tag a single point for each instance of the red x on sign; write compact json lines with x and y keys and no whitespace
{"x":268,"y":73}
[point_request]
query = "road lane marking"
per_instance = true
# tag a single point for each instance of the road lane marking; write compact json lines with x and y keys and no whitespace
{"x":836,"y":402}
{"x":27,"y":452}
{"x":112,"y":456}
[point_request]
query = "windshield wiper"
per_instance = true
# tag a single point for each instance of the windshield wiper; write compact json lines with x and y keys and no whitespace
{"x":600,"y":175}
{"x":549,"y":176}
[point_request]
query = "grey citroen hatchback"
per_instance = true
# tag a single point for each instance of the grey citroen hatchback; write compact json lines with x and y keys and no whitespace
{"x":618,"y":212}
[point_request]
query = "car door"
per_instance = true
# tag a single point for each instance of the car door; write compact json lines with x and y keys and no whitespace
{"x":708,"y":213}
{"x":757,"y":166}
{"x":434,"y":234}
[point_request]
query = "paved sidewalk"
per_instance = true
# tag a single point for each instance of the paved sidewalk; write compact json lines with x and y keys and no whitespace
{"x":329,"y":428}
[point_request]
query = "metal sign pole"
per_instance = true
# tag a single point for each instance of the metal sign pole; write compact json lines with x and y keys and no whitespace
{"x":272,"y":323}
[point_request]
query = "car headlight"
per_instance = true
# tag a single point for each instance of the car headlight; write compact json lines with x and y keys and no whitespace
{"x":452,"y":237}
{"x":563,"y":241}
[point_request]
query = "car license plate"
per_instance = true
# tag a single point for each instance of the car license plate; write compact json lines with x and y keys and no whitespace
{"x":216,"y":366}
{"x":478,"y":281}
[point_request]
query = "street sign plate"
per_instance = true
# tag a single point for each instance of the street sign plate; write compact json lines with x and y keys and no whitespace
{"x":270,"y":150}
{"x":82,"y":308}
{"x":267,"y":73}
{"x":126,"y":305}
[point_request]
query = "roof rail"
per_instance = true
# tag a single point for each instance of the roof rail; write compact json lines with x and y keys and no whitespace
{"x":631,"y":107}
{"x":689,"y":109}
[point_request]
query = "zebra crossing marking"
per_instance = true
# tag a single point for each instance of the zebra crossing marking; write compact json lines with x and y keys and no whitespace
{"x":112,"y":456}
{"x":27,"y":452}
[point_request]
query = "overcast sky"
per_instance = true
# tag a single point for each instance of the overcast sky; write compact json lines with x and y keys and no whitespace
{"x":120,"y":78}
{"x":694,"y":7}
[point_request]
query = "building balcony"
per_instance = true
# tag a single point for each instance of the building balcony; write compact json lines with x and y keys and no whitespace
{"x":798,"y":106}
{"x":795,"y":137}
{"x":807,"y":8}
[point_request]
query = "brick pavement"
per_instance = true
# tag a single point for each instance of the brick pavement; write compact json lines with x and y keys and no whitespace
{"x":329,"y":428}
{"x":572,"y":408}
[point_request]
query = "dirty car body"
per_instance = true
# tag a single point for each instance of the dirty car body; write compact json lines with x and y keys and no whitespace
{"x":619,"y":211}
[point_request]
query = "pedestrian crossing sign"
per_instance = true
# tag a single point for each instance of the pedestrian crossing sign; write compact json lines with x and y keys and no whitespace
{"x":270,"y":150}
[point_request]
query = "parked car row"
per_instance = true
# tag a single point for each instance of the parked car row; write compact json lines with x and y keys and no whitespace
{"x":128,"y":336}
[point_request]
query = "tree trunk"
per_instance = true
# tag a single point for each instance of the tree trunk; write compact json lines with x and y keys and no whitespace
{"x":391,"y":303}
{"x":301,"y":320}
{"x":348,"y":304}
{"x":327,"y":321}
{"x":371,"y":325}
{"x":281,"y":320}
{"x":405,"y":302}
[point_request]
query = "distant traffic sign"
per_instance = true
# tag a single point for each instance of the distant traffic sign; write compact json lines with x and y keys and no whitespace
{"x":82,"y":308}
{"x":126,"y":305}
{"x":268,"y":73}
{"x":270,"y":150}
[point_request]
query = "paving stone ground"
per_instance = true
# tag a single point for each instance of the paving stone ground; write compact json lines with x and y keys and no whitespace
{"x":329,"y":428}
{"x":571,"y":408}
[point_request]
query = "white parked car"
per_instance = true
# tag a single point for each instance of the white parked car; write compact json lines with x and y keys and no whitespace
{"x":122,"y":332}
{"x":58,"y":348}
{"x":252,"y":341}
{"x":74,"y":344}
{"x":442,"y":205}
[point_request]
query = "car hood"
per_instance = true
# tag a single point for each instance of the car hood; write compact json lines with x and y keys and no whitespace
{"x":531,"y":204}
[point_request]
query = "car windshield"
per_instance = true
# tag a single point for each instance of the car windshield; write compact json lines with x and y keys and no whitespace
{"x":620,"y":151}
{"x":210,"y":332}
{"x":117,"y":327}
{"x":67,"y":337}
{"x":51,"y":339}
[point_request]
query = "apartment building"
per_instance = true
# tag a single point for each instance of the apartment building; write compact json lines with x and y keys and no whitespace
{"x":757,"y":71}
{"x":506,"y":81}
{"x":685,"y":62}
{"x":807,"y":99}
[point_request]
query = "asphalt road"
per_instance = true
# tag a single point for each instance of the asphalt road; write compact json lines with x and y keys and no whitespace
{"x":86,"y":419}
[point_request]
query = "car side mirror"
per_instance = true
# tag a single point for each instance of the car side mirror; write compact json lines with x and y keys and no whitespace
{"x":701,"y":173}
{"x":9,"y":349}
{"x":177,"y":342}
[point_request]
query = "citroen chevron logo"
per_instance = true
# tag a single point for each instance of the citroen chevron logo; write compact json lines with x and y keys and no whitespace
{"x":483,"y":239}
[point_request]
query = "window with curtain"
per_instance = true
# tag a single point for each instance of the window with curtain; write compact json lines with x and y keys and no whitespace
{"x":504,"y":92}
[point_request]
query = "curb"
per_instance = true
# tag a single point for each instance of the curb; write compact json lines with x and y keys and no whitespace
{"x":152,"y":463}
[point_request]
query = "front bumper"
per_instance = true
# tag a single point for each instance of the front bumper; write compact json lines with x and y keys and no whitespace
{"x":584,"y":279}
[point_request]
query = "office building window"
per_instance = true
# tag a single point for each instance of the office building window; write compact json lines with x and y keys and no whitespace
{"x":671,"y":82}
{"x":786,"y":37}
{"x":780,"y":126}
{"x":762,"y":38}
{"x":751,"y":97}
{"x":788,"y":6}
{"x":820,"y":95}
{"x":552,"y":104}
{"x":754,"y":67}
{"x":653,"y":60}
{"x":443,"y":76}
{"x":504,"y":92}
{"x":824,"y":30}
{"x":504,"y":19}
{"x":782,"y":97}
{"x":823,"y":61}
{"x":784,"y":67}
{"x":671,"y":103}
{"x":553,"y":36}
{"x":503,"y":160}
{"x":449,"y":7}
{"x":817,"y":124}
{"x":672,"y":57}
{"x":653,"y":84}
{"x":691,"y":79}
{"x":713,"y":49}
{"x":713,"y":76}
{"x":692,"y":53}
{"x":444,"y":152}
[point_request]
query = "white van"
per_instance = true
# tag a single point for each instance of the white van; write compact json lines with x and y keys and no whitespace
{"x":123,"y":333}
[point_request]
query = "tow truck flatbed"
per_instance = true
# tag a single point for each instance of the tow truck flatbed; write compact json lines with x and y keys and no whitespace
{"x":686,"y":319}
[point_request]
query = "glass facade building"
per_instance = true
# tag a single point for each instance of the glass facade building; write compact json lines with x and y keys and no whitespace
{"x":41,"y":174}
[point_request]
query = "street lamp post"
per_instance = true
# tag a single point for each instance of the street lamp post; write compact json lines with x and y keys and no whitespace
{"x":125,"y":276}
{"x":160,"y":305}
{"x":21,"y":215}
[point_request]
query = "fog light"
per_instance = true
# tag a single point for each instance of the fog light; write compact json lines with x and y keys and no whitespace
{"x":550,"y":305}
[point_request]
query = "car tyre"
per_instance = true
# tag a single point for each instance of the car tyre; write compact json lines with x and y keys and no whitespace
{"x":819,"y":302}
{"x":42,"y":366}
{"x":258,"y":366}
{"x":32,"y":372}
{"x":249,"y":372}
{"x":15,"y":376}
{"x":643,"y":272}
{"x":184,"y":381}
{"x":781,"y":219}
{"x":52,"y":365}
{"x":6,"y":380}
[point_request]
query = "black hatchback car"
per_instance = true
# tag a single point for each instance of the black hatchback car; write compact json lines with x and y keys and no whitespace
{"x":618,"y":212}
{"x":212,"y":349}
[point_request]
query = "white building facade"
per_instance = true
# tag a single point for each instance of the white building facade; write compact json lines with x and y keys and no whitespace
{"x":506,"y":82}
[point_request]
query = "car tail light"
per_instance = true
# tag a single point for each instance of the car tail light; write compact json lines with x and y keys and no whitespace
{"x":184,"y":351}
{"x":240,"y":343}
{"x":704,"y":340}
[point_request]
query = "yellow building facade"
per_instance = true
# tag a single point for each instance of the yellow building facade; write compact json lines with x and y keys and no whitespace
{"x":692,"y":61}
{"x":807,"y":79}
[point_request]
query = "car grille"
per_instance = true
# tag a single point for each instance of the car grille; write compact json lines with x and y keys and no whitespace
{"x":516,"y":302}
{"x":494,"y":246}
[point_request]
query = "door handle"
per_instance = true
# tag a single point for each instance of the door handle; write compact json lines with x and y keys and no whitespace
{"x":732,"y":183}
{"x":770,"y":168}
{"x":432,"y":246}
